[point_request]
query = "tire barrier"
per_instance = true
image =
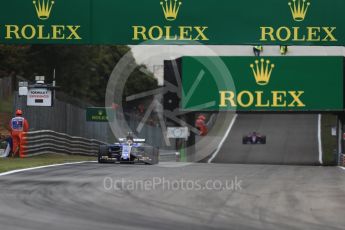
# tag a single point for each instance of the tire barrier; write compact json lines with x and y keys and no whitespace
{"x":46,"y":141}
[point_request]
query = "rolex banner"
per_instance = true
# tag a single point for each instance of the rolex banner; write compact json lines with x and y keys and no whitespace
{"x":217,"y":22}
{"x":263,"y":83}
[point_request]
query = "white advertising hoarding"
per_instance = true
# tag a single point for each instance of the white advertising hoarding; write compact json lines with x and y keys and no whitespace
{"x":178,"y":132}
{"x":39,"y":97}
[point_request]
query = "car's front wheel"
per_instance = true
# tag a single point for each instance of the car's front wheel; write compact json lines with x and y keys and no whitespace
{"x":103,"y":151}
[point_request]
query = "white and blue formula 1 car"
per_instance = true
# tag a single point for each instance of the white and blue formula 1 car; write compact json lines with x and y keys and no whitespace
{"x":128,"y":150}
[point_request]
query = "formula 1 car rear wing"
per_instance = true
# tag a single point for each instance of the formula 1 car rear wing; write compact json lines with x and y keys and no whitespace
{"x":135,"y":140}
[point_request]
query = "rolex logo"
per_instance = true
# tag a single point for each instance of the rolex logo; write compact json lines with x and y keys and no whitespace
{"x":262,"y":71}
{"x":171,"y":9}
{"x":299,"y":9}
{"x":43,"y":8}
{"x":183,"y":32}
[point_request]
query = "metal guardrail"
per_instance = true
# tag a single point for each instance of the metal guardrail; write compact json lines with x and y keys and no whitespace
{"x":47,"y":141}
{"x":63,"y":118}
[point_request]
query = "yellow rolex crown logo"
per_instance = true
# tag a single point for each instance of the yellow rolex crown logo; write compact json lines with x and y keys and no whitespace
{"x":43,"y":8}
{"x":171,"y":9}
{"x":299,"y":9}
{"x":262,"y":71}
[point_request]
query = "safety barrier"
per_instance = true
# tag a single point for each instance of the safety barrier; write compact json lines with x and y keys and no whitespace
{"x":46,"y":141}
{"x":64,"y":117}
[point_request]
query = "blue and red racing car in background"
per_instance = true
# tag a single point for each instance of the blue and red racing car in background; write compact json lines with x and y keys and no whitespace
{"x":254,"y":138}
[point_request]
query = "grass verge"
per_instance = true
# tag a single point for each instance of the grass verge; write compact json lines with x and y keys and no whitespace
{"x":9,"y":164}
{"x":329,"y":142}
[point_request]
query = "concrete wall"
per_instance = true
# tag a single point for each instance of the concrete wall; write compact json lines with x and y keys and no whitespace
{"x":63,"y":118}
{"x":5,"y":87}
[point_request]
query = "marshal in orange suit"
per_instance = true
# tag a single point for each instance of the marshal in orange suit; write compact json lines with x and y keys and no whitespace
{"x":19,"y":125}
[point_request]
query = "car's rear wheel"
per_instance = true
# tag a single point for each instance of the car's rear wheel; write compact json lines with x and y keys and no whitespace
{"x":100,"y":160}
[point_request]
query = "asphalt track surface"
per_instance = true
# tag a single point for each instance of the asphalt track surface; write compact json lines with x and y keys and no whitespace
{"x":267,"y":197}
{"x":291,"y":139}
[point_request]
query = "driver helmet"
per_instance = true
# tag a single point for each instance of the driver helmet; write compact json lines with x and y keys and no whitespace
{"x":130,"y":136}
{"x":19,"y":112}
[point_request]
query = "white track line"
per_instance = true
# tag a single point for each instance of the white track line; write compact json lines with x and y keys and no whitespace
{"x":42,"y":167}
{"x":223,"y":140}
{"x":320,"y":138}
{"x":343,"y":168}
